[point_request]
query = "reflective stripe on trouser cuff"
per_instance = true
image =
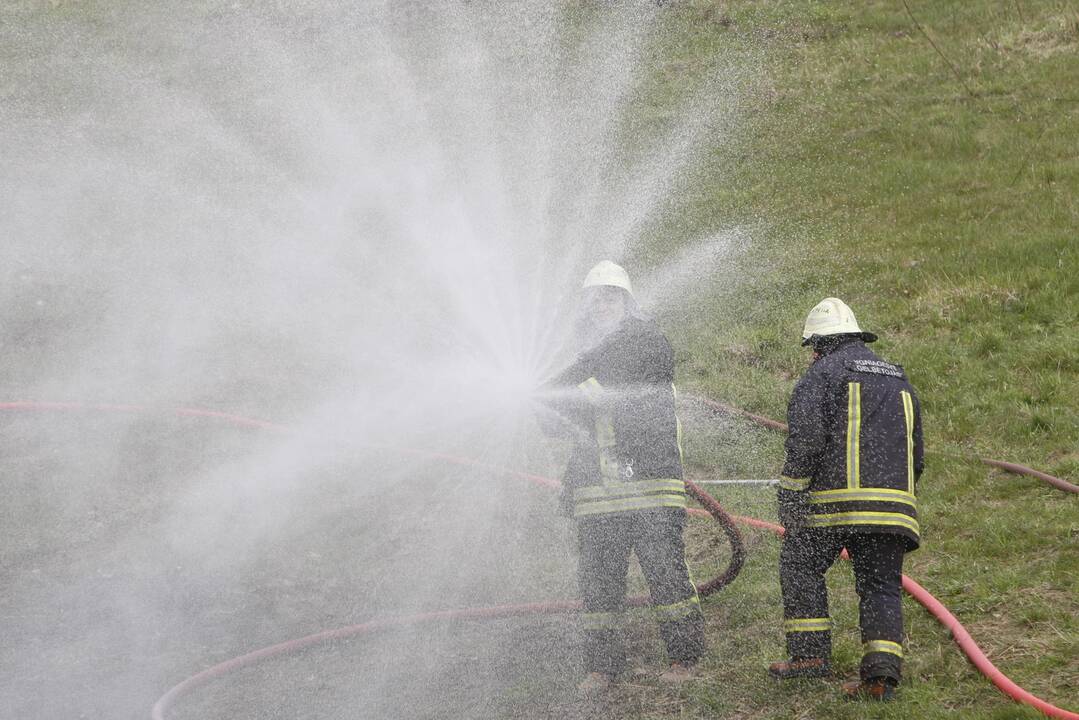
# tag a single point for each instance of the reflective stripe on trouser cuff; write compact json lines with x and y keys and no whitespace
{"x":795,"y":484}
{"x":678,"y":610}
{"x":592,"y":389}
{"x":793,"y":625}
{"x":863,"y":518}
{"x":601,"y":621}
{"x":882,"y":646}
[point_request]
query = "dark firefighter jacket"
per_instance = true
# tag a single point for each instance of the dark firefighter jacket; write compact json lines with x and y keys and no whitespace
{"x":854,"y":453}
{"x":628,"y":454}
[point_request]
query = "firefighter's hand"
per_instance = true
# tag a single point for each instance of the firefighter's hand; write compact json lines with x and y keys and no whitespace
{"x":792,"y":508}
{"x":551,"y":423}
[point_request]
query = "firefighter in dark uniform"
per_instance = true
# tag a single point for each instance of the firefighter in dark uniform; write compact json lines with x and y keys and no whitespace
{"x":623,"y":482}
{"x":854,"y":456}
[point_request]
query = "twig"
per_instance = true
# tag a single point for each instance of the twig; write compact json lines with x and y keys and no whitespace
{"x":939,"y":51}
{"x":1027,"y":158}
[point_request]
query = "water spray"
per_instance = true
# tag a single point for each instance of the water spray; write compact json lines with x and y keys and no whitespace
{"x":712,"y":508}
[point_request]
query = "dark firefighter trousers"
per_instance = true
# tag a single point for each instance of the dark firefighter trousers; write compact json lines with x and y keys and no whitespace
{"x":878,"y":568}
{"x":605,"y":543}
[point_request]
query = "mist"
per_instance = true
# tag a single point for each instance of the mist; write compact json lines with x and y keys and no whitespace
{"x":367,"y":224}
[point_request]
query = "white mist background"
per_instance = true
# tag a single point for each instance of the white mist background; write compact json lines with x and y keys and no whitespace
{"x":369,"y":224}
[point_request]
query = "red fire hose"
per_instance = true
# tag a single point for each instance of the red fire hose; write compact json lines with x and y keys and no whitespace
{"x":485,"y":613}
{"x":712,"y":508}
{"x":959,"y":634}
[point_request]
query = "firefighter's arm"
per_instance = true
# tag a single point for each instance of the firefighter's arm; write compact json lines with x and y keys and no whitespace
{"x":554,"y":424}
{"x":571,"y":399}
{"x":582,"y":385}
{"x":656,"y":361}
{"x":919,"y":448}
{"x":792,"y":507}
{"x":804,"y":448}
{"x":564,"y":404}
{"x":806,"y":439}
{"x":576,"y":468}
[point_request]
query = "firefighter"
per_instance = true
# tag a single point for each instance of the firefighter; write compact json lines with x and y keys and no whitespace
{"x":623,"y":482}
{"x":853,"y":459}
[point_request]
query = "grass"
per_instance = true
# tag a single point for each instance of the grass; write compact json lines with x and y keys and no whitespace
{"x":921,"y":164}
{"x":936,"y":190}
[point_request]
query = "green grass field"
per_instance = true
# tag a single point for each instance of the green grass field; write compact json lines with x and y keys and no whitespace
{"x":936,"y":190}
{"x":917,"y":158}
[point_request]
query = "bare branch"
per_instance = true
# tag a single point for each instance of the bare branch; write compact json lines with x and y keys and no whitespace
{"x":939,"y":51}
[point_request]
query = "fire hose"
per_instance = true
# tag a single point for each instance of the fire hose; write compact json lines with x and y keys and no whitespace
{"x":712,"y":508}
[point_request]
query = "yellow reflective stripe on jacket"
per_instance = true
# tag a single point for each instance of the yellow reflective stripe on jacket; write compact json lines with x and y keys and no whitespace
{"x":597,"y":507}
{"x":854,"y":432}
{"x":884,"y":646}
{"x":626,"y":496}
{"x":795,"y":484}
{"x":677,"y":427}
{"x":623,"y":489}
{"x":793,"y":625}
{"x":678,"y":610}
{"x":863,"y":518}
{"x":820,"y":497}
{"x":592,"y":389}
{"x":689,"y":574}
{"x":601,"y":621}
{"x":604,"y":430}
{"x":908,"y":416}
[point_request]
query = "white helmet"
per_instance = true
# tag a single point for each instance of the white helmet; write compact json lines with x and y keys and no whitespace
{"x":831,"y":316}
{"x":606,"y":272}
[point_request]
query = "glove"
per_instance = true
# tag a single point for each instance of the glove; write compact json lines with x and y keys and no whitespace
{"x":792,"y":508}
{"x":551,"y":424}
